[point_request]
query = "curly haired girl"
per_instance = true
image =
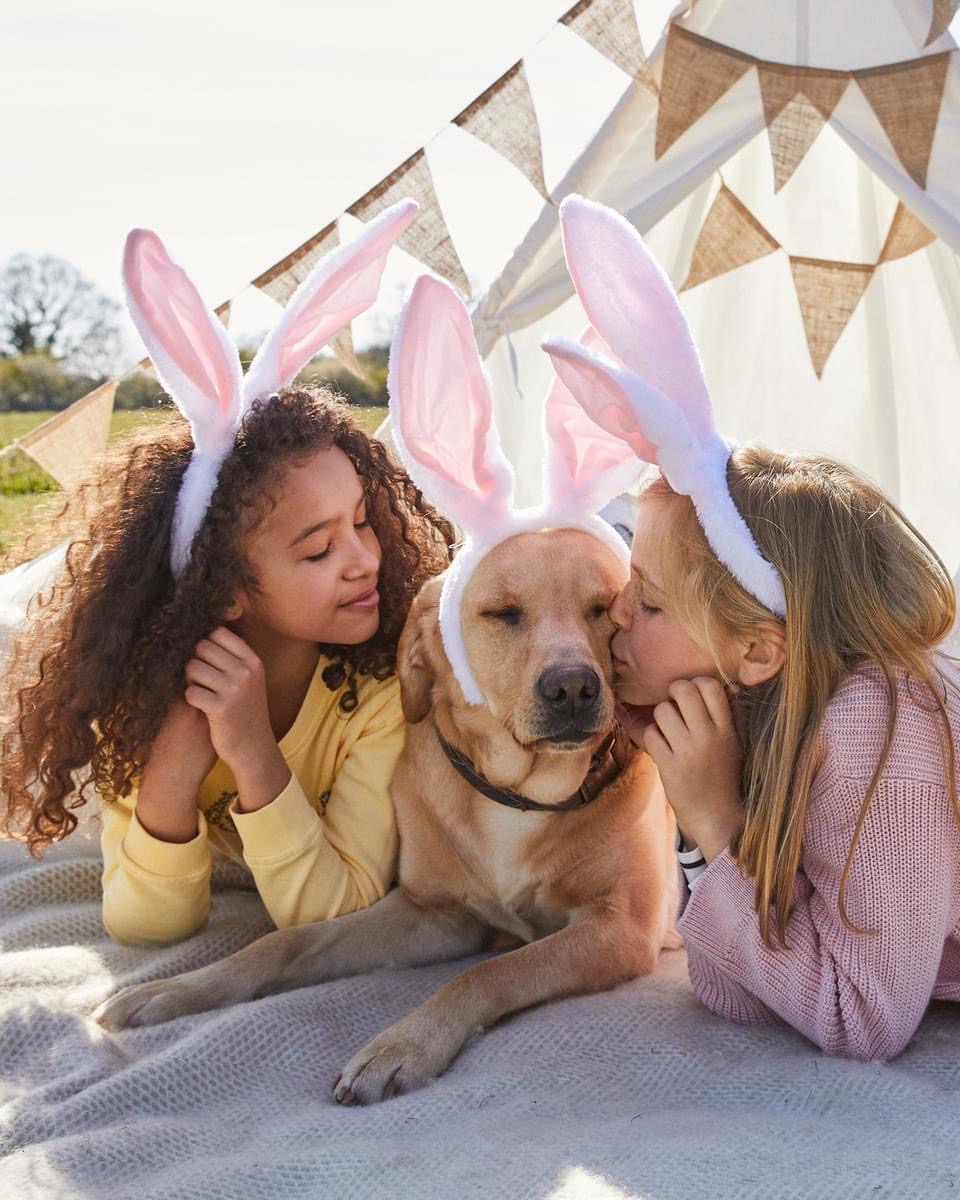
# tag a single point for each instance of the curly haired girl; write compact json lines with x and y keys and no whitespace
{"x":217,"y":663}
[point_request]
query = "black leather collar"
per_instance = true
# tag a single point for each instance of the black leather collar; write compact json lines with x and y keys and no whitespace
{"x":601,"y":760}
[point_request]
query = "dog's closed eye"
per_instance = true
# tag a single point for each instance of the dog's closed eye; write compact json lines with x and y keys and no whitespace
{"x":510,"y":614}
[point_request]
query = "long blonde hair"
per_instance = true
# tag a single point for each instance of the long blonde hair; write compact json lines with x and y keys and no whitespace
{"x":862,"y":586}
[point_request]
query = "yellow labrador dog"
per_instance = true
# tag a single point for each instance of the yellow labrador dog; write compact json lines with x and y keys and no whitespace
{"x":511,"y":822}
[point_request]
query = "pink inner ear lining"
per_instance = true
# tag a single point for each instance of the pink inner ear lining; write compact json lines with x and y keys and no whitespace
{"x":348,"y":291}
{"x":584,"y":447}
{"x":604,"y":403}
{"x":177,"y":318}
{"x":437,"y":352}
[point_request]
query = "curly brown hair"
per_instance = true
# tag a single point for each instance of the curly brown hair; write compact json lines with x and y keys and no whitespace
{"x":92,"y":675}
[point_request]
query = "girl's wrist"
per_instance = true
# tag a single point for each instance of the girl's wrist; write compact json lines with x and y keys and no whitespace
{"x":260,"y":778}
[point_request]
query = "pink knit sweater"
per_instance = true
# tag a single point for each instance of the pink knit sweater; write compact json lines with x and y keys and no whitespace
{"x":859,"y":994}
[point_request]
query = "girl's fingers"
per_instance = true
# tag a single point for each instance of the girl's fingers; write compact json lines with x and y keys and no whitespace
{"x":203,"y":675}
{"x":687,"y":697}
{"x":670,"y":724}
{"x":655,"y":744}
{"x":200,"y":697}
{"x":215,"y":655}
{"x":716,"y":701}
{"x":233,"y":644}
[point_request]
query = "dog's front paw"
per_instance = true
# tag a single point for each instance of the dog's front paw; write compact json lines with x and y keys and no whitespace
{"x":148,"y":1004}
{"x":399,"y":1060}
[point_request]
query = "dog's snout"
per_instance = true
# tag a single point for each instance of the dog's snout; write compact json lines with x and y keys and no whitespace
{"x":569,"y":690}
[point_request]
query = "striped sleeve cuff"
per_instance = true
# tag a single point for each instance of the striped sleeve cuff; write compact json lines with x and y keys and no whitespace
{"x":692,"y":862}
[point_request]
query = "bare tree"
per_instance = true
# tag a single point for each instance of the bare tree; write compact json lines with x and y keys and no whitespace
{"x":48,"y":307}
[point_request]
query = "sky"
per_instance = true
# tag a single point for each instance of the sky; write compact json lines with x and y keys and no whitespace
{"x":237,"y":130}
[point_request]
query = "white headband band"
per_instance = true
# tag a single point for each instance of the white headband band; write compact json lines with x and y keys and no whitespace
{"x":198,"y":363}
{"x":637,"y":374}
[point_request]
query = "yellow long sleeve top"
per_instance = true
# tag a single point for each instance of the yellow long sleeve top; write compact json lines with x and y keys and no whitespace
{"x":326,"y":845}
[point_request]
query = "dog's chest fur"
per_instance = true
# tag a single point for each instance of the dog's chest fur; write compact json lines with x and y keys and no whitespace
{"x":512,"y":894}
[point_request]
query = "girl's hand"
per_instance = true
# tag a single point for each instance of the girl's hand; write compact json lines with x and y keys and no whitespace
{"x":227,"y":683}
{"x":693,"y":741}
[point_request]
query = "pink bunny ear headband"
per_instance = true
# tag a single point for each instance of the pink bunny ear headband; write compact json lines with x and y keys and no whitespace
{"x":654,"y":399}
{"x":198,"y":363}
{"x":442,"y":425}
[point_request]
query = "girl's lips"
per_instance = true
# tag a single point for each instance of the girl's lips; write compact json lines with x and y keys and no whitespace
{"x":368,"y":599}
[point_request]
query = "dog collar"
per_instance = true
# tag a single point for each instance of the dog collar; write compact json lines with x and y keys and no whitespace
{"x":604,"y":768}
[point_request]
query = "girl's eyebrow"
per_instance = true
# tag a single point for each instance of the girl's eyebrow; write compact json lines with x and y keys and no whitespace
{"x":311,"y":529}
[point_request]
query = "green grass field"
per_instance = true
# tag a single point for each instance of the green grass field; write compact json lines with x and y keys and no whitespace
{"x":27,"y":492}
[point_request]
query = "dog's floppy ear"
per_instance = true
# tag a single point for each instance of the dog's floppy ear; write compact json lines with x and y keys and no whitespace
{"x":415,"y":652}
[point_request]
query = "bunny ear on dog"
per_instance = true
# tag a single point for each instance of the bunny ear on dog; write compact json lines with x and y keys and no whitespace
{"x":442,"y":411}
{"x":653,"y":397}
{"x":339,"y":288}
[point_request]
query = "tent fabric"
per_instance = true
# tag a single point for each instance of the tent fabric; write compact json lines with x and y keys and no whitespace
{"x":887,"y":398}
{"x":634,"y":1093}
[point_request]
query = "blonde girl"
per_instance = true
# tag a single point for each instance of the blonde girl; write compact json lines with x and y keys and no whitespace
{"x":778,"y":651}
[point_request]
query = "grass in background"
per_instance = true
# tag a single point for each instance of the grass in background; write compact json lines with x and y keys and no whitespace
{"x":27,"y":492}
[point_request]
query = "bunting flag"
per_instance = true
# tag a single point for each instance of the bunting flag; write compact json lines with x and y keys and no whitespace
{"x":906,"y":100}
{"x":65,"y":445}
{"x":907,"y":233}
{"x":797,"y":103}
{"x":943,"y":13}
{"x":731,"y":236}
{"x":427,"y":237}
{"x":828,"y":293}
{"x":505,"y":119}
{"x":610,"y":26}
{"x":696,"y":73}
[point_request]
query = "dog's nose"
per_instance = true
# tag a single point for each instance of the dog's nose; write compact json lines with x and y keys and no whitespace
{"x":569,"y":689}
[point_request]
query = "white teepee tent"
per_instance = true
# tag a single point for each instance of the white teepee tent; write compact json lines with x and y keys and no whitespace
{"x":800,"y":170}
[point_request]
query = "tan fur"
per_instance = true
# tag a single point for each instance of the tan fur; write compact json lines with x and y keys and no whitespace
{"x":590,"y":892}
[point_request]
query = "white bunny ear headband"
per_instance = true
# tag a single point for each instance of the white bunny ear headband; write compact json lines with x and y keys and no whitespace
{"x":198,"y":363}
{"x":651,"y":395}
{"x":442,"y":425}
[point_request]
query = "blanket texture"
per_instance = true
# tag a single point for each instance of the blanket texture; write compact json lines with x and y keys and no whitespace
{"x":639,"y":1092}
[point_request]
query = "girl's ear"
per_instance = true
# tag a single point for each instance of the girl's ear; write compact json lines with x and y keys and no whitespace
{"x":761,"y":653}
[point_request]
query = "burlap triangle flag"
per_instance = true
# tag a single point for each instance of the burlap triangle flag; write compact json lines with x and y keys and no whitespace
{"x":797,"y":102}
{"x":65,"y":445}
{"x":828,"y":293}
{"x":731,"y":236}
{"x":906,"y":235}
{"x":943,"y":13}
{"x":427,"y":238}
{"x":610,"y":26}
{"x":906,"y":98}
{"x":504,"y":117}
{"x":696,"y":73}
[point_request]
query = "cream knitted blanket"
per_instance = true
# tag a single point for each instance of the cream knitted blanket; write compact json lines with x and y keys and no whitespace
{"x":638,"y":1092}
